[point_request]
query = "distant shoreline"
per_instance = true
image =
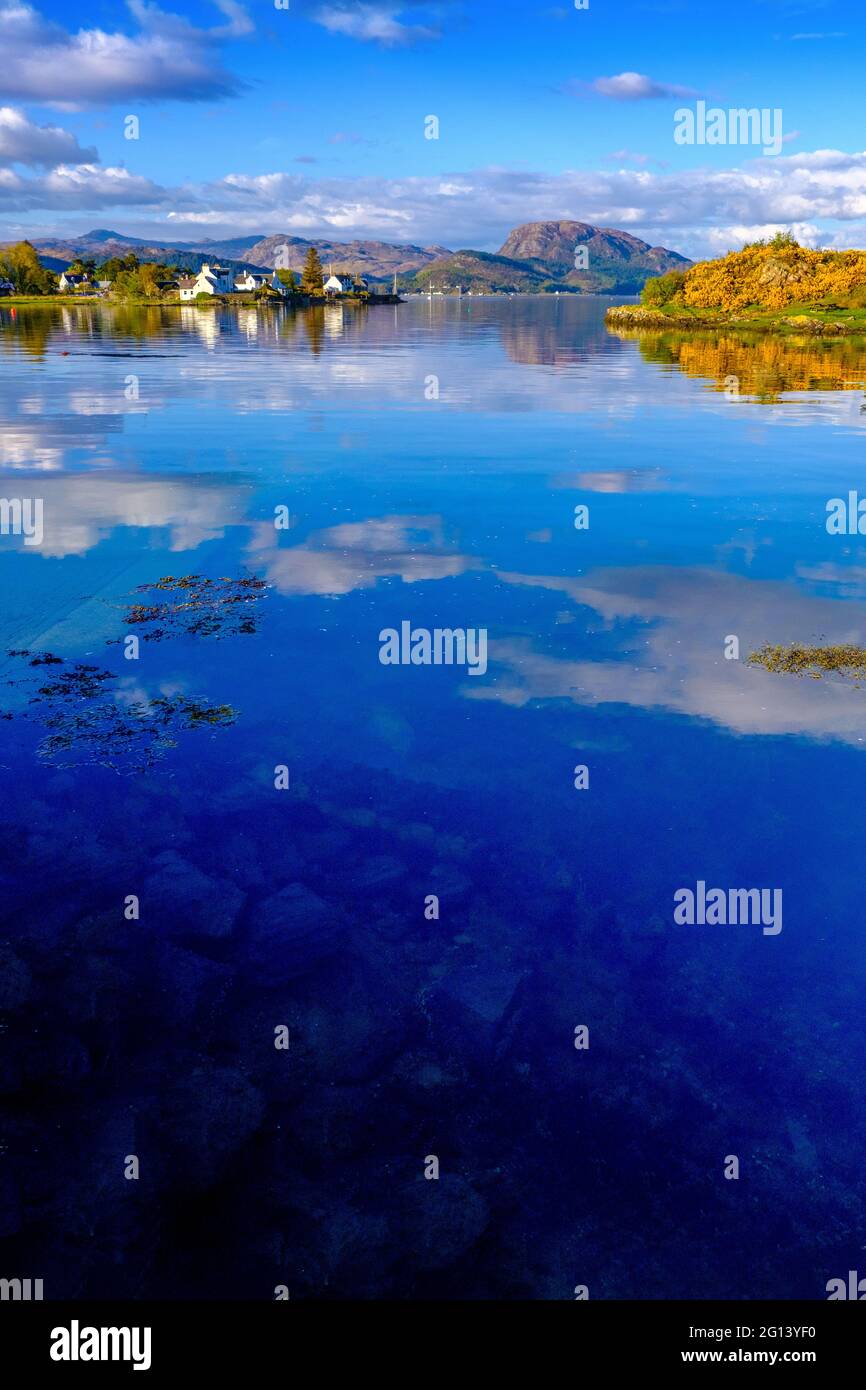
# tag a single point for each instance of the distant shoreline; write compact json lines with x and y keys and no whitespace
{"x":214,"y":301}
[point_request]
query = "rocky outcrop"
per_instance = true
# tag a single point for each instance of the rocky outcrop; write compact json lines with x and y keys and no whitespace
{"x":553,"y":244}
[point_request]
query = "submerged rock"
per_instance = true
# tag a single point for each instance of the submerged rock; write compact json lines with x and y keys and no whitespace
{"x":439,"y":1221}
{"x":180,"y":895}
{"x":290,"y":932}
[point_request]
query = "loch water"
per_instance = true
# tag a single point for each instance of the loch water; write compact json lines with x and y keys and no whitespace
{"x":167,"y":908}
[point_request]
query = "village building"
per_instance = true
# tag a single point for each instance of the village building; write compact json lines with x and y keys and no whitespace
{"x":250,"y":281}
{"x":214,"y":279}
{"x":337,"y":284}
{"x":6,"y":287}
{"x":69,"y":283}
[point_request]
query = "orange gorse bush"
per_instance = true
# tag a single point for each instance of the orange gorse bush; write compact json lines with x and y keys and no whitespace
{"x":773,"y":275}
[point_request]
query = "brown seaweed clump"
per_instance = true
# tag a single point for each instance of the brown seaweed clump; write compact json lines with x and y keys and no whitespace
{"x":202,"y":607}
{"x":86,"y":720}
{"x":817,"y":662}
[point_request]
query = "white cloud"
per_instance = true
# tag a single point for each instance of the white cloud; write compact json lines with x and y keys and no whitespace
{"x":23,"y":142}
{"x":169,"y":57}
{"x":372,"y":24}
{"x":636,"y":86}
{"x":73,"y":186}
{"x":682,"y":208}
{"x":699,"y":211}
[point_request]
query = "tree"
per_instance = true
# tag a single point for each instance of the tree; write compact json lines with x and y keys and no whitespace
{"x":146,"y":281}
{"x":663,"y":288}
{"x":153,"y":276}
{"x":311,"y":275}
{"x":288,"y":278}
{"x":20,"y":263}
{"x":116,"y":265}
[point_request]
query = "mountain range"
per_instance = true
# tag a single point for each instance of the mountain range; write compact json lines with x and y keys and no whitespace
{"x":536,"y":257}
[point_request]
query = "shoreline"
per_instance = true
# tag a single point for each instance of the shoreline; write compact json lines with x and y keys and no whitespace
{"x":807,"y":321}
{"x":233,"y":302}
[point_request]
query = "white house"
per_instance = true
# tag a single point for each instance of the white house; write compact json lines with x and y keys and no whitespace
{"x":186,"y":287}
{"x":252,"y":280}
{"x":213,"y":279}
{"x":248,"y":282}
{"x":337,"y":284}
{"x":73,"y":282}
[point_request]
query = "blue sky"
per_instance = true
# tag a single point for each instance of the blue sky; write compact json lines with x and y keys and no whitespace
{"x":256,"y":120}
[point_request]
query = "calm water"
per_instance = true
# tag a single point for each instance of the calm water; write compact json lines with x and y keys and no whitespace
{"x":431,"y":457}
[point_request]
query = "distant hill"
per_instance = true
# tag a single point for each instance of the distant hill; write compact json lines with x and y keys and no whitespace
{"x":477,"y":270}
{"x":537,"y":257}
{"x":58,"y":252}
{"x":540,"y":257}
{"x":232,"y":246}
{"x":376,"y":260}
{"x":101,"y":235}
{"x":553,"y":244}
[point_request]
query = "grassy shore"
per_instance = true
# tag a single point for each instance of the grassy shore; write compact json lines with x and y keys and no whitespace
{"x":818,"y":320}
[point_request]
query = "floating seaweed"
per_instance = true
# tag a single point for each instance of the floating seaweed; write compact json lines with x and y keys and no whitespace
{"x":86,"y":720}
{"x":41,"y":658}
{"x":208,"y":607}
{"x":816,"y":662}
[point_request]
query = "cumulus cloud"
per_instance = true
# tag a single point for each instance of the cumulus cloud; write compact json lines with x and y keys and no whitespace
{"x":39,"y":146}
{"x":78,"y":186}
{"x":168,"y":57}
{"x":695,"y":210}
{"x":382,"y":24}
{"x":636,"y":86}
{"x":698,"y":211}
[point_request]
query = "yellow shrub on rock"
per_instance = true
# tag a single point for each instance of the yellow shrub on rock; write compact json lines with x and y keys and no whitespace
{"x":772,"y":275}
